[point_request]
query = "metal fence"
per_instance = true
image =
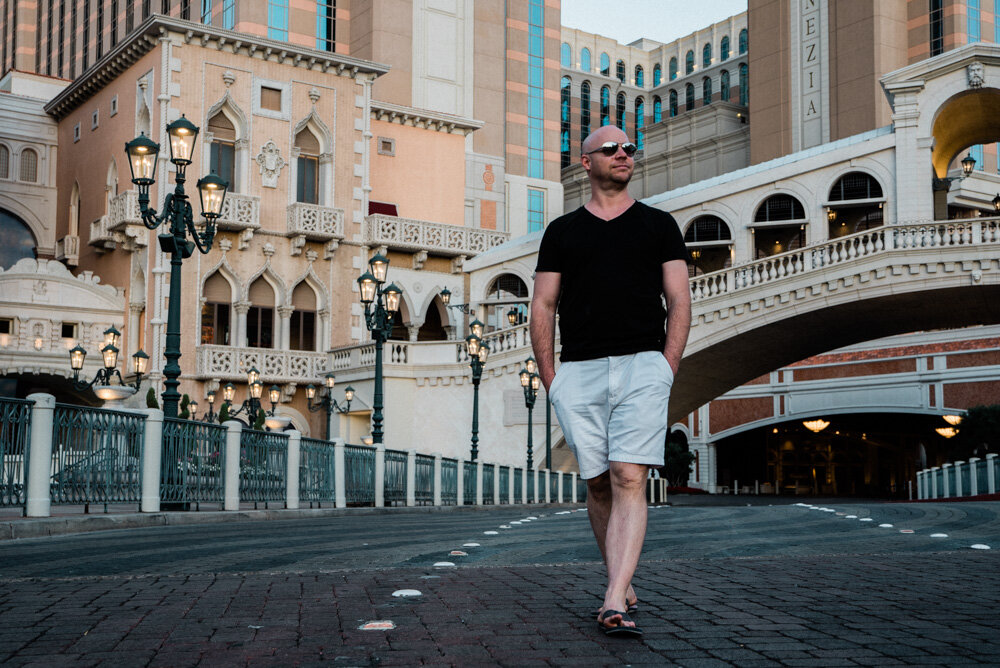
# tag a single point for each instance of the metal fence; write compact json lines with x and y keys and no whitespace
{"x":96,"y":456}
{"x":192,"y":462}
{"x":469,"y":484}
{"x":489,"y":472}
{"x":518,"y":482}
{"x":15,"y":435}
{"x":532,"y":497}
{"x":449,"y":482}
{"x":504,"y":484}
{"x":263,"y":465}
{"x":395,"y":477}
{"x":581,"y":490}
{"x":359,"y":475}
{"x":424,"y":482}
{"x":316,"y":472}
{"x":553,"y":486}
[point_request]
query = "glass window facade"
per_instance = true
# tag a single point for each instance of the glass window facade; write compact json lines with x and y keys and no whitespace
{"x":605,"y":65}
{"x":706,"y":55}
{"x":584,"y":110}
{"x":744,"y":41}
{"x":689,"y":97}
{"x":585,"y":59}
{"x":605,"y":105}
{"x":673,"y":69}
{"x":326,"y":25}
{"x":744,"y":85}
{"x":620,"y":111}
{"x":536,"y":82}
{"x":973,"y":16}
{"x":277,"y":20}
{"x":536,"y":210}
{"x":658,"y":74}
{"x":657,"y":110}
{"x":706,"y":91}
{"x":639,"y":80}
{"x":206,"y":11}
{"x":689,"y":62}
{"x":566,"y":56}
{"x":724,"y":86}
{"x":564,"y":121}
{"x":640,"y":122}
{"x":673,"y":103}
{"x":620,"y":70}
{"x":724,"y":48}
{"x":228,"y":14}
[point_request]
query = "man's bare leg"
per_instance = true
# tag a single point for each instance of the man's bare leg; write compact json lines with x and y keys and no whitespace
{"x":625,"y":529}
{"x":599,"y":500}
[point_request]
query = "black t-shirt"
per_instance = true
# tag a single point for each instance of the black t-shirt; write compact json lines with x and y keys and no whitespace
{"x":611,"y":279}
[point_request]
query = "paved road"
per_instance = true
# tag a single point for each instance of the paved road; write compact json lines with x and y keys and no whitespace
{"x":762,"y":585}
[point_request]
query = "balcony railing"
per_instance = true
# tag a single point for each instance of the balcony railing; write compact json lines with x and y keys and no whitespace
{"x":406,"y":234}
{"x":315,"y":222}
{"x":68,"y":250}
{"x":124,"y":211}
{"x":101,"y":236}
{"x":278,"y":366}
{"x":239,"y":212}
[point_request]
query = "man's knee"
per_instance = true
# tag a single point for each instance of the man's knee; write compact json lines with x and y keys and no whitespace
{"x":599,"y":488}
{"x":629,"y":476}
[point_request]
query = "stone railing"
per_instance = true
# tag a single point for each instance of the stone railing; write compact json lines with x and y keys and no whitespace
{"x":957,"y":479}
{"x":239,"y":212}
{"x":124,"y":211}
{"x":101,"y":236}
{"x":315,"y":222}
{"x":818,"y":257}
{"x":284,"y":366}
{"x":501,"y":341}
{"x":406,"y":234}
{"x":68,"y":250}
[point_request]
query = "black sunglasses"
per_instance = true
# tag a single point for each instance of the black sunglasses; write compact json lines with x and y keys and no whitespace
{"x":609,"y":148}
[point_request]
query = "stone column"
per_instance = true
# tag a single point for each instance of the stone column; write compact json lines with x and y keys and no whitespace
{"x":152,"y":452}
{"x":285,"y":327}
{"x":292,"y":473}
{"x":572,"y":480}
{"x":339,"y":473}
{"x":411,"y":477}
{"x":496,"y":484}
{"x":510,"y":492}
{"x":240,"y":335}
{"x":958,"y":477}
{"x":548,"y":486}
{"x":38,"y":458}
{"x":437,"y":478}
{"x":991,"y":474}
{"x":559,"y":485}
{"x":973,"y":476}
{"x":479,"y":483}
{"x":231,"y":472}
{"x":945,"y":482}
{"x":380,"y":475}
{"x":460,"y":482}
{"x":934,"y":481}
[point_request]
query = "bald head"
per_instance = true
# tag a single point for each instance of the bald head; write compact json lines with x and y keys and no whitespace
{"x":601,"y":135}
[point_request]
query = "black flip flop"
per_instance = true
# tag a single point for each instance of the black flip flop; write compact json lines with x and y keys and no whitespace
{"x":619,"y":630}
{"x":632,"y":608}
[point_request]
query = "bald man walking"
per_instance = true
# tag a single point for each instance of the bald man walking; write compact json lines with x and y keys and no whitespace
{"x":608,"y":268}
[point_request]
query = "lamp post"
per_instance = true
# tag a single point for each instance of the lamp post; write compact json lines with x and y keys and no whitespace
{"x":251,"y":405}
{"x":478,"y":352}
{"x":109,"y":354}
{"x":210,"y":415}
{"x":968,"y":164}
{"x":445,"y":295}
{"x":529,"y":383}
{"x":327,"y":402}
{"x":381,"y":305}
{"x":176,"y":211}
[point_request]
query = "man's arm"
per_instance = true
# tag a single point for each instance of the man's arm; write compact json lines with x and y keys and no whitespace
{"x":544,"y":302}
{"x":678,"y":294}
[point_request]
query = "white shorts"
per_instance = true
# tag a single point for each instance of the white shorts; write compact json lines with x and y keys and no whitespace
{"x":614,"y":409}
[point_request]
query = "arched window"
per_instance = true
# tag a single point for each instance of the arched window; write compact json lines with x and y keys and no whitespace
{"x":657,"y":109}
{"x":564,"y":123}
{"x":744,"y":85}
{"x":433,"y":327}
{"x":673,"y":69}
{"x":506,"y":292}
{"x":605,"y":65}
{"x":657,"y":74}
{"x":260,"y":317}
{"x":638,"y":77}
{"x":302,"y":326}
{"x":706,"y":91}
{"x":307,"y":167}
{"x":585,"y":59}
{"x":709,"y":243}
{"x":584,"y":110}
{"x":222,"y":149}
{"x":4,"y":162}
{"x":18,"y":241}
{"x":566,"y":56}
{"x":706,"y":55}
{"x":707,"y":228}
{"x":620,"y":111}
{"x":779,"y":207}
{"x":29,"y":166}
{"x":605,"y":105}
{"x":855,"y":185}
{"x":724,"y":86}
{"x":724,"y":48}
{"x":673,"y":103}
{"x":744,"y":41}
{"x":620,"y":70}
{"x":216,"y":311}
{"x":689,"y":97}
{"x":689,"y":63}
{"x":640,"y":122}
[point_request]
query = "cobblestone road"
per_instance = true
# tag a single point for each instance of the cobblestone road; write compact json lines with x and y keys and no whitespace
{"x":760,"y":586}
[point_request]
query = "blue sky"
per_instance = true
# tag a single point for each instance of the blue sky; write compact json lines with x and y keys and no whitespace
{"x":661,"y":20}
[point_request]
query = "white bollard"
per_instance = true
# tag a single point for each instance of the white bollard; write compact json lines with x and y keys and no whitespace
{"x":496,"y":484}
{"x":231,"y":472}
{"x":946,"y":480}
{"x":559,"y":486}
{"x":380,"y":475}
{"x":510,"y":492}
{"x":479,"y":483}
{"x":974,"y":476}
{"x":339,"y":473}
{"x":958,"y":478}
{"x":534,"y":482}
{"x":411,"y":477}
{"x":460,"y":482}
{"x":292,"y":473}
{"x":437,"y":478}
{"x":548,"y":487}
{"x":921,"y":481}
{"x":991,"y":473}
{"x":152,"y":451}
{"x":573,"y":482}
{"x":934,"y":481}
{"x":38,"y":462}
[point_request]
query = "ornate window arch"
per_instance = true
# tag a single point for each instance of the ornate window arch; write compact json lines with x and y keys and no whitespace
{"x":620,"y":70}
{"x":227,"y":124}
{"x":506,"y":292}
{"x":605,"y":65}
{"x":217,"y":310}
{"x":689,"y":62}
{"x":657,"y":74}
{"x":313,"y":161}
{"x":724,"y":48}
{"x":4,"y":162}
{"x":260,"y":316}
{"x":29,"y":166}
{"x":673,"y":68}
{"x":303,"y":324}
{"x":706,"y":55}
{"x":566,"y":56}
{"x":585,"y":64}
{"x":639,"y":77}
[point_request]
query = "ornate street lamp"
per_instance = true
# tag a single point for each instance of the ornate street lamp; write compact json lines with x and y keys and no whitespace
{"x":529,"y":383}
{"x":211,"y":415}
{"x":177,"y":212}
{"x":380,"y":305}
{"x":968,"y":164}
{"x":109,"y":355}
{"x":251,"y":405}
{"x":478,"y":352}
{"x":327,"y":402}
{"x":445,"y":295}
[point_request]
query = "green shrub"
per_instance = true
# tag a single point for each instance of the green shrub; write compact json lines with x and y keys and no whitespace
{"x":151,"y":401}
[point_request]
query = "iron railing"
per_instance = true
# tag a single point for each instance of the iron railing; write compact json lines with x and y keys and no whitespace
{"x":192,"y":462}
{"x":424,"y":482}
{"x":359,"y":476}
{"x":518,"y":478}
{"x":504,"y":484}
{"x":489,"y":472}
{"x":395,"y":477}
{"x":553,"y":487}
{"x":532,"y":497}
{"x":316,"y":472}
{"x":96,"y":456}
{"x":15,"y":437}
{"x":469,"y":484}
{"x":581,"y":490}
{"x":263,"y":465}
{"x":449,"y":482}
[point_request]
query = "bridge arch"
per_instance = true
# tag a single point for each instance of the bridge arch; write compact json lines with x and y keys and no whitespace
{"x":965,"y":119}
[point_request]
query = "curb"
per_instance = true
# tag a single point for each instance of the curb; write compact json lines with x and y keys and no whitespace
{"x":59,"y":526}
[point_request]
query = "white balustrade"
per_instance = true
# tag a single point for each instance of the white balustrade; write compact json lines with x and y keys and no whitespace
{"x":286,"y":366}
{"x":239,"y":212}
{"x":315,"y":222}
{"x":421,"y":235}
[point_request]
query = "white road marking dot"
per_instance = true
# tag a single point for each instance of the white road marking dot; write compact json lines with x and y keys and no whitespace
{"x":405,"y":593}
{"x":828,"y":510}
{"x":563,"y":512}
{"x":885,"y":526}
{"x":866,"y":519}
{"x":504,"y":526}
{"x":939,"y":535}
{"x":430,"y":577}
{"x":458,"y":553}
{"x":254,"y":626}
{"x":470,"y":544}
{"x":906,"y":531}
{"x":850,"y":517}
{"x":377,"y":625}
{"x":841,"y":514}
{"x":491,"y":533}
{"x":532,"y":517}
{"x":443,"y":564}
{"x":980,"y":546}
{"x":516,"y":522}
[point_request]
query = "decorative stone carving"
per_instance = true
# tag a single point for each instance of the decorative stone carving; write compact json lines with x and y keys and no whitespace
{"x":270,"y":161}
{"x":228,"y":78}
{"x":225,"y":245}
{"x":419,"y":258}
{"x":976,"y":73}
{"x":311,"y":256}
{"x":268,"y":250}
{"x":314,"y":95}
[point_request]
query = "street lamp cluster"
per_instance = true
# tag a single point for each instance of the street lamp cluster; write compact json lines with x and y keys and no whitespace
{"x":327,"y":402}
{"x":530,"y":382}
{"x":478,"y":352}
{"x":109,"y":353}
{"x":381,"y":305}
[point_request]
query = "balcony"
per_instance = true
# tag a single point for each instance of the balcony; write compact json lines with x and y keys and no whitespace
{"x":125,"y":221}
{"x":228,"y":363}
{"x":239,"y":212}
{"x":315,"y":222}
{"x":406,"y":234}
{"x":68,"y":250}
{"x":101,"y":236}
